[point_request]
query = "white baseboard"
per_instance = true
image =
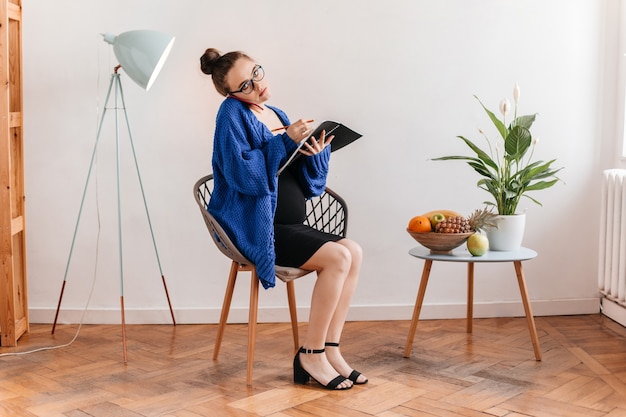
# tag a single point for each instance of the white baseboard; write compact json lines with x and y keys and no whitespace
{"x":357,"y":313}
{"x":614,"y":311}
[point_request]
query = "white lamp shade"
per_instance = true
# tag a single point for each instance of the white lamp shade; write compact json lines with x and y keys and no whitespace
{"x":141,"y":53}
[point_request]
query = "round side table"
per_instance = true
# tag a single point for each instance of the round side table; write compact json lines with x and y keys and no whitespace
{"x":462,"y":255}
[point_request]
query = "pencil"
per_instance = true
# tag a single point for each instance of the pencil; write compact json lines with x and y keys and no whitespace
{"x":285,"y":127}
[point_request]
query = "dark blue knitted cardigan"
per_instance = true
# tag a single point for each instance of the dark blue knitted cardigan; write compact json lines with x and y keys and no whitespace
{"x":246,"y":157}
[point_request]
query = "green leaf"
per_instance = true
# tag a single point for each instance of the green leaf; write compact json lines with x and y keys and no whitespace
{"x":541,"y":185}
{"x":524,"y":121}
{"x":456,"y":157}
{"x":535,"y":201}
{"x":482,"y":155}
{"x":481,"y":169}
{"x":497,"y":122}
{"x":489,"y":183}
{"x":508,"y":194}
{"x":517,"y":142}
{"x":538,"y":170}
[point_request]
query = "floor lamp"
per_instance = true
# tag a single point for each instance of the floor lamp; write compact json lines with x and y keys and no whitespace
{"x":141,"y":53}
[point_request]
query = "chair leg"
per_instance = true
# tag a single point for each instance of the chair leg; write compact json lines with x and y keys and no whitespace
{"x":291,"y":297}
{"x":252,"y":319}
{"x":228,"y":296}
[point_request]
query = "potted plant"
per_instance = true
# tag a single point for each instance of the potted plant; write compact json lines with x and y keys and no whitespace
{"x":507,"y":169}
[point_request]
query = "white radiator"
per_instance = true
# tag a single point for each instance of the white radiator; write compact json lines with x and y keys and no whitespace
{"x":612,"y":259}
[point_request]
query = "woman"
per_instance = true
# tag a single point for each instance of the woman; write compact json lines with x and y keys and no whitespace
{"x":263,"y":213}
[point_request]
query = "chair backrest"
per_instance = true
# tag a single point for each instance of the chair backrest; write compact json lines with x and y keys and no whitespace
{"x":327,"y":212}
{"x":202,"y":193}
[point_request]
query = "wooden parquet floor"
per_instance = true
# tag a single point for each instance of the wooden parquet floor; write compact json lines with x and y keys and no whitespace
{"x":170,"y":371}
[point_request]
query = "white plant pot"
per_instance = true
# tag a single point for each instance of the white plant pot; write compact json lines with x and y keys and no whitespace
{"x":509,"y":233}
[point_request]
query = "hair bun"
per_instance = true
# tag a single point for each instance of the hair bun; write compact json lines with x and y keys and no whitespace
{"x":208,"y":59}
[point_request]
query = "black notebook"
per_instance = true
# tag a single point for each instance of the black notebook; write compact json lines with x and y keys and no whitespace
{"x":343,"y":137}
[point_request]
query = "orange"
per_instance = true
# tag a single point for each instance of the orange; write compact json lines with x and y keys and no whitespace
{"x":420,"y":224}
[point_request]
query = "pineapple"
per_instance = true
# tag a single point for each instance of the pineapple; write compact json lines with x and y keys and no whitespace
{"x":482,"y":219}
{"x":477,"y":221}
{"x":455,"y":224}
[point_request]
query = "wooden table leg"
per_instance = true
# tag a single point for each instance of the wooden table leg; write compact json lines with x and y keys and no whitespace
{"x":529,"y":314}
{"x":418,"y":307}
{"x":470,"y":296}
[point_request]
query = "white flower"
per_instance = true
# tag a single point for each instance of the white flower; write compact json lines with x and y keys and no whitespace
{"x":516,"y":93}
{"x":505,"y":106}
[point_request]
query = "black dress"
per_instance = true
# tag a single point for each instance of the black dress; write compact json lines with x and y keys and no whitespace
{"x":294,"y":242}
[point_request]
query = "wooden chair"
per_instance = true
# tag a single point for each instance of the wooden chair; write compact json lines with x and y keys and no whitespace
{"x":327,"y":213}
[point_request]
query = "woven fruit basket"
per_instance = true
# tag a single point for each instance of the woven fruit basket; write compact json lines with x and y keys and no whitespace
{"x":440,"y":242}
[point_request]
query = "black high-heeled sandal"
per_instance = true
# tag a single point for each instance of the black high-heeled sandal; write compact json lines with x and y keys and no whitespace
{"x":354,"y":375}
{"x":302,"y":376}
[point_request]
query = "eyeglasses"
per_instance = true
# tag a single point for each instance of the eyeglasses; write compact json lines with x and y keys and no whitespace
{"x":257,"y":75}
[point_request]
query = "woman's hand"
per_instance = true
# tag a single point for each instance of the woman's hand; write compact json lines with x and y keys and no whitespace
{"x":313,"y":147}
{"x":299,"y":131}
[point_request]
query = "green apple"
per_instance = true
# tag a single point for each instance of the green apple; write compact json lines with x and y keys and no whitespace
{"x":436,"y":218}
{"x":478,"y":244}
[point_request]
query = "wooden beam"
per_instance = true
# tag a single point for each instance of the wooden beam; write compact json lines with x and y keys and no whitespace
{"x":13,"y":284}
{"x":17,"y":225}
{"x":15,"y":119}
{"x":14,"y":11}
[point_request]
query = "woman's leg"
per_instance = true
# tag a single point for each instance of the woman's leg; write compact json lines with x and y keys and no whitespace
{"x":349,"y":286}
{"x":339,"y":318}
{"x":332,"y":263}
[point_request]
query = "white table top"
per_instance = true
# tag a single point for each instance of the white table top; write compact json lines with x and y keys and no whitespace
{"x":463,"y":255}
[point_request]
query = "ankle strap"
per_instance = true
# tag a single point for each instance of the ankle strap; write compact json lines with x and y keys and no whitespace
{"x":332,"y":344}
{"x":309,"y":351}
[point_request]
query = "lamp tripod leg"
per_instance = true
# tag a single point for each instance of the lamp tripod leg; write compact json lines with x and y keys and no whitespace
{"x":118,"y":92}
{"x":169,"y":303}
{"x":123,"y":329}
{"x":56,"y":315}
{"x":82,"y":203}
{"x":145,"y":203}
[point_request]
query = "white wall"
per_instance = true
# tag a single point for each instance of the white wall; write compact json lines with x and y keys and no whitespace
{"x":617,"y":62}
{"x":402,"y":72}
